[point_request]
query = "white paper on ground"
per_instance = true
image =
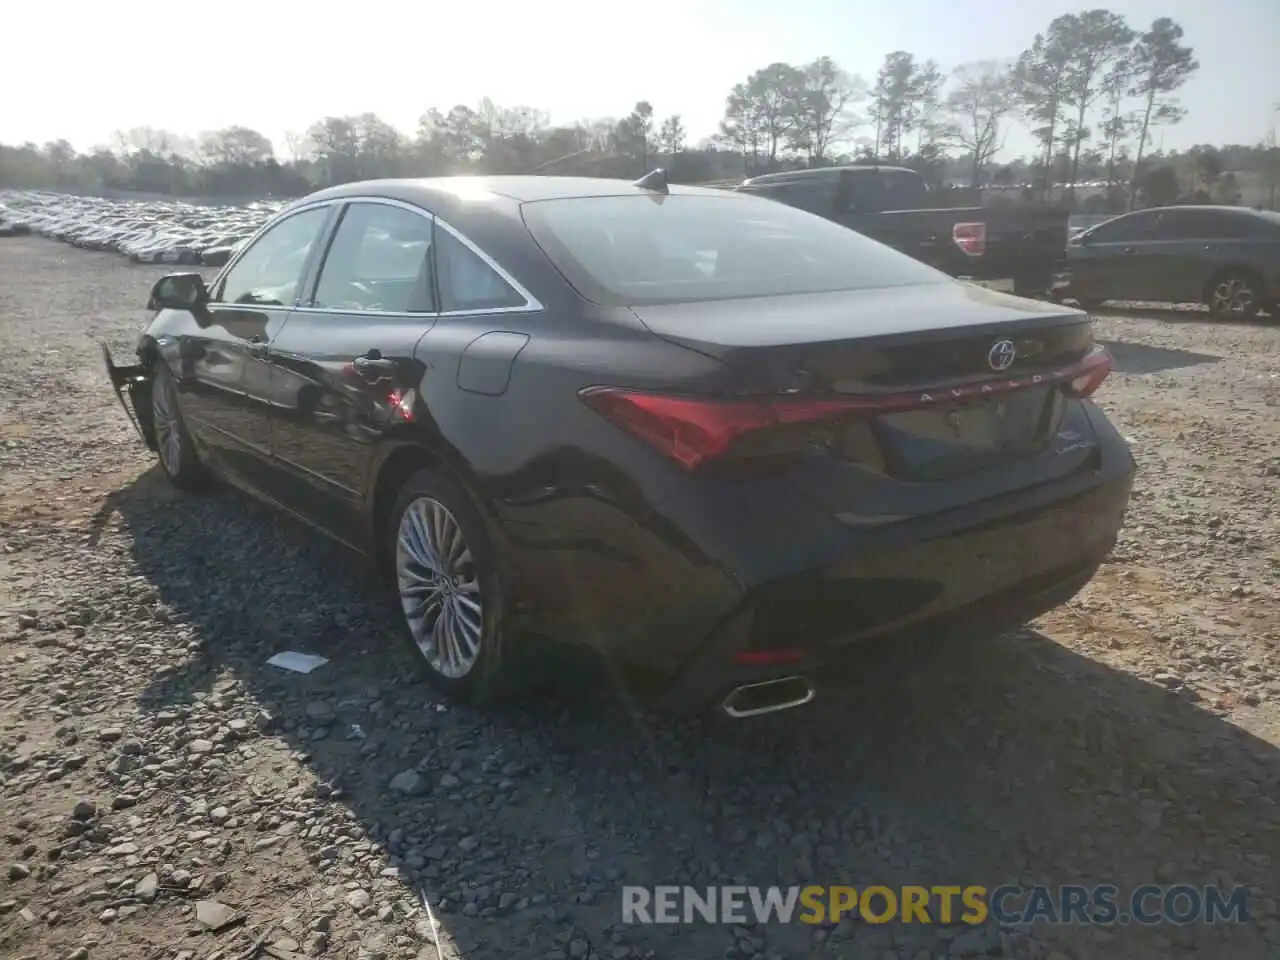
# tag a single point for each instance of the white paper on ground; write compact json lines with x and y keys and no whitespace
{"x":297,"y":662}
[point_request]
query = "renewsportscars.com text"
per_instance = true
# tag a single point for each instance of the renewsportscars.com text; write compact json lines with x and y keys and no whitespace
{"x":972,"y":904}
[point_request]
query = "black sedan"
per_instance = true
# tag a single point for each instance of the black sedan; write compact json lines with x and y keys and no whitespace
{"x":712,"y":436}
{"x":1227,"y":258}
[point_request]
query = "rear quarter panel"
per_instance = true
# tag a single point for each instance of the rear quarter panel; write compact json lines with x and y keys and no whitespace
{"x":574,"y":499}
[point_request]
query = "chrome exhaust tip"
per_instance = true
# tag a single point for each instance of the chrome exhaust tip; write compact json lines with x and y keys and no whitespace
{"x":768,"y":696}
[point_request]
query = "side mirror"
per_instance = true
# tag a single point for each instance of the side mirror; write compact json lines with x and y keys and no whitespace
{"x":179,"y":291}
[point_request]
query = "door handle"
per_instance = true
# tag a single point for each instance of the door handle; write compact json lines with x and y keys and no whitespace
{"x":369,"y":365}
{"x":1130,"y":251}
{"x":258,"y":346}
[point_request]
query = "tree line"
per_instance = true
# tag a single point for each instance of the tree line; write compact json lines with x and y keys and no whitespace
{"x":1093,"y":90}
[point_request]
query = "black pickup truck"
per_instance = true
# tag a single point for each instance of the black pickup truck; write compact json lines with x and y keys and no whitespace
{"x":1017,"y":249}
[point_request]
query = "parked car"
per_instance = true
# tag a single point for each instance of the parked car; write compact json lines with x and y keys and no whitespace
{"x":712,"y":436}
{"x":1227,"y":258}
{"x":144,"y":231}
{"x":1015,"y":249}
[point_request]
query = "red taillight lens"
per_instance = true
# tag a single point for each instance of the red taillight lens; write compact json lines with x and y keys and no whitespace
{"x":688,"y":431}
{"x":971,"y":238}
{"x":1099,"y":366}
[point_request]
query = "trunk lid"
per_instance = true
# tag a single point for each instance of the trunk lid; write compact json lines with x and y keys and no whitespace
{"x":873,"y":340}
{"x":964,"y":389}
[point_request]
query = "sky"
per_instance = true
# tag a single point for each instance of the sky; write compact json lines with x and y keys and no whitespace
{"x":184,"y":66}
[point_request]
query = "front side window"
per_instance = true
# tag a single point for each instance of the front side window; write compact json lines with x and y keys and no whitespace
{"x":634,"y":250}
{"x":271,"y":270}
{"x":379,"y":261}
{"x":1126,"y":229}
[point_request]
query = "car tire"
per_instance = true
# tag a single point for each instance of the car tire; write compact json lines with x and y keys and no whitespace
{"x":177,"y":451}
{"x":1234,"y":295}
{"x":444,"y":571}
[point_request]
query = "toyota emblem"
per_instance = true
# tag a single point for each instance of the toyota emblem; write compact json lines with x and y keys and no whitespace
{"x":1002,"y":354}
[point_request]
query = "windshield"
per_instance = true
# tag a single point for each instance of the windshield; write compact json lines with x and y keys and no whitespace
{"x":646,"y":249}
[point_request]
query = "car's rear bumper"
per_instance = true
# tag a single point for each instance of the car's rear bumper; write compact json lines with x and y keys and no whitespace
{"x":983,"y":570}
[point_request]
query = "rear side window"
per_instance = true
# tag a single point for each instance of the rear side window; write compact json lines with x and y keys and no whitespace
{"x":816,"y":196}
{"x":874,"y":190}
{"x":1237,"y":226}
{"x":467,"y":282}
{"x":1206,"y":225}
{"x":1268,"y":222}
{"x":379,"y":262}
{"x":642,"y":249}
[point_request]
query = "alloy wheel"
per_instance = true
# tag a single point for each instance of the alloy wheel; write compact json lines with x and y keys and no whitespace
{"x":439,"y":588}
{"x":1233,"y":295}
{"x":164,"y":411}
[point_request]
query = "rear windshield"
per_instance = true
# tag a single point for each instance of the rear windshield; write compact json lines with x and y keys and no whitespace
{"x":645,"y":249}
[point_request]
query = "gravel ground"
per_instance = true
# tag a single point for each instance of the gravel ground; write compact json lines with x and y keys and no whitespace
{"x":164,"y":793}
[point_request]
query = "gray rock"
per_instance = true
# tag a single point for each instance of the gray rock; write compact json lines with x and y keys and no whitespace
{"x":408,"y":782}
{"x":84,"y":810}
{"x":214,"y":915}
{"x":147,"y":888}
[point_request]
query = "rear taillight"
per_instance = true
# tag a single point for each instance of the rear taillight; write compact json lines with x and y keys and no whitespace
{"x":971,"y":238}
{"x":693,"y":430}
{"x":1088,"y":382}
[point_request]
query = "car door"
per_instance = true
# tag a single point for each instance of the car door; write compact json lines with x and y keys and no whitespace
{"x":343,"y":368}
{"x":1191,"y":242}
{"x":225,"y":388}
{"x":1114,"y":260}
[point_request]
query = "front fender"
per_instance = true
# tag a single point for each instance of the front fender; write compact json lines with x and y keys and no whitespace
{"x":135,"y":380}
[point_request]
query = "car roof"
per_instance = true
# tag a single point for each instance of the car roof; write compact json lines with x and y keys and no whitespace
{"x":817,"y":173}
{"x":1201,"y":208}
{"x":518,"y":188}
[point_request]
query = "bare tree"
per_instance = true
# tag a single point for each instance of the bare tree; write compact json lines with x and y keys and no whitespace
{"x":671,"y":135}
{"x":1116,"y":120}
{"x":980,"y":98}
{"x":743,"y":124}
{"x":235,"y":146}
{"x":161,"y":143}
{"x":298,"y":145}
{"x":823,"y":115}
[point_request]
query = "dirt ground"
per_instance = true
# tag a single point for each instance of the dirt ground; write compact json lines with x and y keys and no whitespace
{"x":165,"y":793}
